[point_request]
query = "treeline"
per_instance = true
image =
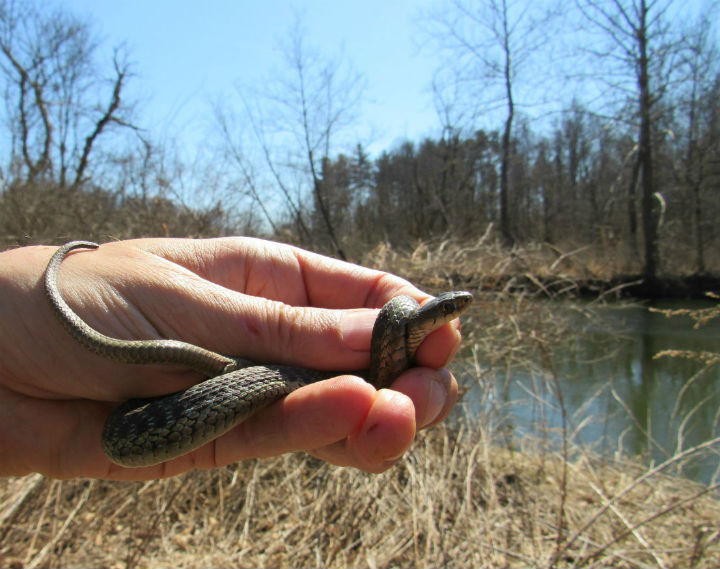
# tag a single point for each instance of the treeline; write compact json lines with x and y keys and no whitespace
{"x":576,"y":185}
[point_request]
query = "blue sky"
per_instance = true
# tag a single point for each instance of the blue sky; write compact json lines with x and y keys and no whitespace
{"x":190,"y":54}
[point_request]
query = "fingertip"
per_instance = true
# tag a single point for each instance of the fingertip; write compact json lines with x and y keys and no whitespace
{"x":433,"y":393}
{"x":387,"y":432}
{"x":444,"y":394}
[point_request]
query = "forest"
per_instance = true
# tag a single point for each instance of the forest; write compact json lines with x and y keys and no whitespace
{"x":631,"y":174}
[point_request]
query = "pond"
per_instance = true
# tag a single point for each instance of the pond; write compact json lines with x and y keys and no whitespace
{"x":618,"y":395}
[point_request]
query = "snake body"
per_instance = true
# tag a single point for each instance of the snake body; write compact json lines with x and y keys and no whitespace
{"x":144,"y":432}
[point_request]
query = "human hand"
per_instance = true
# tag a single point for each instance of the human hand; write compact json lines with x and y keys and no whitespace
{"x":246,"y":297}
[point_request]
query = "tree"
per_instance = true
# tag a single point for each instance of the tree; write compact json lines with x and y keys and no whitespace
{"x":67,"y":122}
{"x":490,"y":44}
{"x":640,"y":51}
{"x":57,"y":105}
{"x":697,"y":130}
{"x":309,"y":105}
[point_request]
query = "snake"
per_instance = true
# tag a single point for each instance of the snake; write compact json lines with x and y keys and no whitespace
{"x":148,"y":431}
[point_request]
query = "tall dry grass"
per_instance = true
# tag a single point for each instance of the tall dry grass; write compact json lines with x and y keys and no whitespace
{"x":470,"y":493}
{"x":456,"y":500}
{"x":485,"y":264}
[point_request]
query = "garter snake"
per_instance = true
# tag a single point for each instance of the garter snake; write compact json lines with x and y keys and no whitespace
{"x":143,"y":432}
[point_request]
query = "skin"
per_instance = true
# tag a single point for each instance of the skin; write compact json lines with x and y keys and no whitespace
{"x":260,"y":300}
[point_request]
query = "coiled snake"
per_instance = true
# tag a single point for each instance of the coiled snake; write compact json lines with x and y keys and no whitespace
{"x":143,"y":432}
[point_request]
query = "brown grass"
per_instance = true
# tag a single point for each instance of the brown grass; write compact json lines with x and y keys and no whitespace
{"x":456,"y":500}
{"x":469,"y":494}
{"x":486,"y":265}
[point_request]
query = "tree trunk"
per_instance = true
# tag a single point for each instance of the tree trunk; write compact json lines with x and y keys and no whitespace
{"x":505,"y":230}
{"x":649,"y":217}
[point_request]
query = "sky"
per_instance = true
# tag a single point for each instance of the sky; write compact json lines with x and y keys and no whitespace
{"x":189,"y":55}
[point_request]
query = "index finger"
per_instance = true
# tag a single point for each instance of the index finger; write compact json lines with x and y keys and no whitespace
{"x":282,"y":272}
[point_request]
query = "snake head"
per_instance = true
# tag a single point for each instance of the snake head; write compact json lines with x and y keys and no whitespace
{"x":401,"y":327}
{"x":435,"y":313}
{"x":447,"y":306}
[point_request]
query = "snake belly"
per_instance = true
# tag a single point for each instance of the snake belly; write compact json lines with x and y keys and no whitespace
{"x":149,"y":431}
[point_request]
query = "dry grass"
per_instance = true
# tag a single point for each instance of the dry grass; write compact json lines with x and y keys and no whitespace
{"x":470,"y":494}
{"x":551,"y":269}
{"x":484,"y":264}
{"x":455,"y":501}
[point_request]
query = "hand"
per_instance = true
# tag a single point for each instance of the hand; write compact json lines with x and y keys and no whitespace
{"x":251,"y":298}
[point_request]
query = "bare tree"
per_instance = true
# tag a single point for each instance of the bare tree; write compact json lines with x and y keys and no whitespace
{"x":297,"y":120}
{"x":697,"y":133}
{"x":53,"y":93}
{"x":640,"y":51}
{"x":491,"y":44}
{"x":249,"y":178}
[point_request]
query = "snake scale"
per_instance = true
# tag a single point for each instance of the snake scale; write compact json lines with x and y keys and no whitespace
{"x":144,"y":432}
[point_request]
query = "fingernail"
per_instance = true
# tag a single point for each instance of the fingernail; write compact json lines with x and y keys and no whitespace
{"x":437,"y":397}
{"x":393,"y":460}
{"x":356,"y":328}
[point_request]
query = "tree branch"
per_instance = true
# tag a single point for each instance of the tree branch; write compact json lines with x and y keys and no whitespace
{"x":107,"y":117}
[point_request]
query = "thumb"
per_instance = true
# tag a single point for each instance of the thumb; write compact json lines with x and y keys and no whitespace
{"x":166,"y":300}
{"x":136,"y":295}
{"x":268,"y":331}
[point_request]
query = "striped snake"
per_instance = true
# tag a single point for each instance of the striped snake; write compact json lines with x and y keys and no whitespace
{"x":144,"y":432}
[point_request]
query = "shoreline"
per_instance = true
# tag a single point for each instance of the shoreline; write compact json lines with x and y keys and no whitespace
{"x":691,"y":287}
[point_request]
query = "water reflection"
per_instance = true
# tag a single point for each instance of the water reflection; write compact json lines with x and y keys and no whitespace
{"x":618,"y":395}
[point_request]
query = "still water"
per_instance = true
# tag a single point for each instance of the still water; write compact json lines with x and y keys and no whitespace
{"x":619,"y":397}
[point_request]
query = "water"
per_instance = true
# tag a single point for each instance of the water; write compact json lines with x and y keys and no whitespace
{"x":618,"y":396}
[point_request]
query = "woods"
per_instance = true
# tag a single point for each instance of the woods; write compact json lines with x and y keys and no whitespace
{"x":618,"y":150}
